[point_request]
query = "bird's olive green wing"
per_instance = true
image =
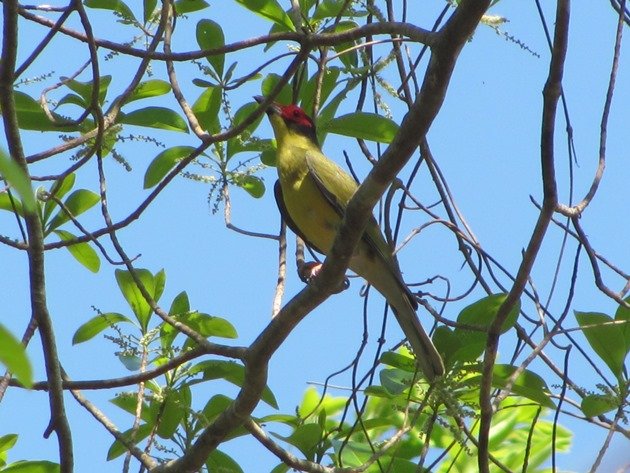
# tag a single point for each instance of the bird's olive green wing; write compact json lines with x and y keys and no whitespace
{"x":334,"y":183}
{"x":338,"y":188}
{"x":277,"y":192}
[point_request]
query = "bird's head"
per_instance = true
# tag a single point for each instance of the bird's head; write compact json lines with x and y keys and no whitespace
{"x":290,"y":121}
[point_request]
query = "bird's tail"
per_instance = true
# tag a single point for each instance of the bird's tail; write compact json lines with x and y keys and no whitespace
{"x":400,"y":299}
{"x":427,"y":356}
{"x":381,"y":271}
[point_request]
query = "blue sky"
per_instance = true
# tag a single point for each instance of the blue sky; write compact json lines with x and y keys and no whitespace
{"x":486,"y":141}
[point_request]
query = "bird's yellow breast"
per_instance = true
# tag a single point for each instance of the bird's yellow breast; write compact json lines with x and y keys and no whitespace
{"x":304,"y":201}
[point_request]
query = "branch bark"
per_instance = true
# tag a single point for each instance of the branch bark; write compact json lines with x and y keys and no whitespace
{"x":37,"y":279}
{"x":551,"y":94}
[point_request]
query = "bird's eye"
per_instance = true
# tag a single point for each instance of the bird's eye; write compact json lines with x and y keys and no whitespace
{"x":296,"y":113}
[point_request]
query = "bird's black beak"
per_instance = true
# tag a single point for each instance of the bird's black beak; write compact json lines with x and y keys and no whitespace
{"x":273,"y":107}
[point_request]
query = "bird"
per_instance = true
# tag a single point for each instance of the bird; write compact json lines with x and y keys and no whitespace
{"x":312,"y":193}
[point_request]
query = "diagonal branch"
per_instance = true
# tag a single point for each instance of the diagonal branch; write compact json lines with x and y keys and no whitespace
{"x":412,"y":130}
{"x":236,"y":353}
{"x":551,"y":94}
{"x":415,"y":125}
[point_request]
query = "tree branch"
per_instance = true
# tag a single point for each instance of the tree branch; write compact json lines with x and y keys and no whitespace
{"x":551,"y":94}
{"x":416,"y":123}
{"x":37,"y":278}
{"x":576,"y":210}
{"x":412,"y":32}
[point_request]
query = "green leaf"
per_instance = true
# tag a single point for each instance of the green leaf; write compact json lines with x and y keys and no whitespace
{"x":230,"y":73}
{"x":71,"y":99}
{"x":129,"y":361}
{"x":128,"y":402}
{"x":306,"y":5}
{"x":32,"y":466}
{"x":210,"y":36}
{"x":480,"y":314}
{"x":134,"y":437}
{"x":363,"y":125}
{"x":310,"y":401}
{"x":209,"y":326}
{"x":148,"y":9}
{"x":306,"y":438}
{"x":77,"y":203}
{"x":280,"y":468}
{"x":96,"y":325}
{"x":13,"y":356}
{"x":269,"y":83}
{"x":348,"y":57}
{"x":241,"y":142}
{"x":160,"y":282}
{"x":172,"y":411}
{"x":206,"y":109}
{"x":203,"y":83}
{"x":448,"y":344}
{"x":163,"y":163}
{"x":378,"y":391}
{"x":594,"y":405}
{"x":330,"y":9}
{"x":231,"y":372}
{"x":19,"y":180}
{"x":328,"y":83}
{"x":219,"y":461}
{"x":244,"y":112}
{"x":82,"y":252}
{"x":213,"y":408}
{"x":395,"y":381}
{"x":7,"y":442}
{"x":204,"y":324}
{"x":114,"y":5}
{"x":155,"y":117}
{"x":275,"y":28}
{"x":398,"y":360}
{"x":470,"y":345}
{"x":268,"y":157}
{"x":180,"y":304}
{"x":313,"y":404}
{"x":10,"y":204}
{"x":133,"y":296}
{"x":605,"y":338}
{"x":253,"y":185}
{"x":84,"y":89}
{"x":623,"y":314}
{"x":528,"y":384}
{"x":31,"y":116}
{"x":330,"y":110}
{"x":270,"y":10}
{"x":150,"y":88}
{"x":59,"y":189}
{"x":190,"y":6}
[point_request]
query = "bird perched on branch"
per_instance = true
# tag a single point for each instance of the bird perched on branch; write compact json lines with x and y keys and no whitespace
{"x":312,"y":193}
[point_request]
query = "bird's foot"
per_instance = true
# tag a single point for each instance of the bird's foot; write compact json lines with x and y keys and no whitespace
{"x":308,"y":272}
